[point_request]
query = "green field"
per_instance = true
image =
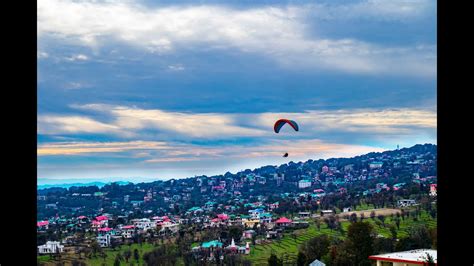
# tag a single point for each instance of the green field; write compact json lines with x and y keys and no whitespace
{"x":110,"y":256}
{"x":287,"y":247}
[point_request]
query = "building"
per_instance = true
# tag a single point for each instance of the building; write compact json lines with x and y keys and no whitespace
{"x":325,"y":169}
{"x":128,"y":231}
{"x":433,"y":189}
{"x":327,"y":212}
{"x":304,"y":215}
{"x":406,"y":202}
{"x":283,"y":221}
{"x":104,"y":240}
{"x":144,"y":224}
{"x":375,"y":165}
{"x":42,"y":225}
{"x":406,"y":258}
{"x":50,"y":247}
{"x":317,"y":263}
{"x":247,"y":234}
{"x":304,"y":183}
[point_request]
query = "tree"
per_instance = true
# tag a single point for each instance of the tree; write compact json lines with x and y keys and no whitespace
{"x":136,"y":255}
{"x":343,"y":256}
{"x":117,"y":261}
{"x":316,"y":247}
{"x":127,"y":254}
{"x":397,"y":222}
{"x":372,"y":215}
{"x":382,"y":219}
{"x":353,"y":218}
{"x":360,"y":237}
{"x":301,"y":259}
{"x":393,"y":232}
{"x":429,"y":260}
{"x":383,"y":245}
{"x":318,"y":224}
{"x":96,"y":248}
{"x":235,"y":232}
{"x":273,"y":260}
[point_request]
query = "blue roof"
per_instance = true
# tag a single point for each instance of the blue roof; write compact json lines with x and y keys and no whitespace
{"x":213,"y":243}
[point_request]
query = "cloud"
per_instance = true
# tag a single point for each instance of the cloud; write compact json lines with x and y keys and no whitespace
{"x":42,"y":55}
{"x":75,"y":85}
{"x":385,"y":10}
{"x":132,"y":122}
{"x":362,"y":120}
{"x":78,"y":57}
{"x":176,"y":67}
{"x":64,"y":124}
{"x":206,"y":125}
{"x":164,"y":152}
{"x":279,"y":33}
{"x":76,"y":148}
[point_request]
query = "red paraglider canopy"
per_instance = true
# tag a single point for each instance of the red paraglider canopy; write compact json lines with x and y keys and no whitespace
{"x":279,"y":123}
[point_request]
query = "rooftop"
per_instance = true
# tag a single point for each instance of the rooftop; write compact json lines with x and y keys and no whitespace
{"x":417,"y":256}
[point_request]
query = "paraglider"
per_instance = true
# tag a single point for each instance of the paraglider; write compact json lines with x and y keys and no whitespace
{"x":280,"y":122}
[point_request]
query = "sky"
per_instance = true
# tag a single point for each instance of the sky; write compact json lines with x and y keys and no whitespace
{"x":148,"y":90}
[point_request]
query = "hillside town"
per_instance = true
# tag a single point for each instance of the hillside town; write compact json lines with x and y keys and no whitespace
{"x":232,"y":213}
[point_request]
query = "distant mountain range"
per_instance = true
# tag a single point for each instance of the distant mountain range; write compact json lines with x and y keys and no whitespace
{"x":99,"y":184}
{"x":416,"y":148}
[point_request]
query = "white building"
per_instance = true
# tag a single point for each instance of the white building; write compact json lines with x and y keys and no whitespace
{"x":104,"y":240}
{"x":174,"y":228}
{"x":317,"y":263}
{"x":375,"y":165}
{"x":50,"y":247}
{"x":406,"y":202}
{"x":406,"y":258}
{"x":304,"y":183}
{"x":144,"y":224}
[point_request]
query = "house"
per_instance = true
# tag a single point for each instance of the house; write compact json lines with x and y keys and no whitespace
{"x":406,"y":258}
{"x":304,"y":215}
{"x":433,"y":189}
{"x":247,"y":234}
{"x":327,"y":212}
{"x":213,"y":243}
{"x":398,"y":186}
{"x":237,"y":249}
{"x":347,"y":209}
{"x":255,"y":214}
{"x":250,"y":223}
{"x":265,"y":217}
{"x":50,"y":247}
{"x":42,"y":225}
{"x":317,"y":263}
{"x":104,"y":240}
{"x":283,"y":221}
{"x":273,"y":234}
{"x":304,"y":183}
{"x":144,"y":224}
{"x":171,"y":227}
{"x":375,"y":165}
{"x":128,"y":231}
{"x":406,"y":202}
